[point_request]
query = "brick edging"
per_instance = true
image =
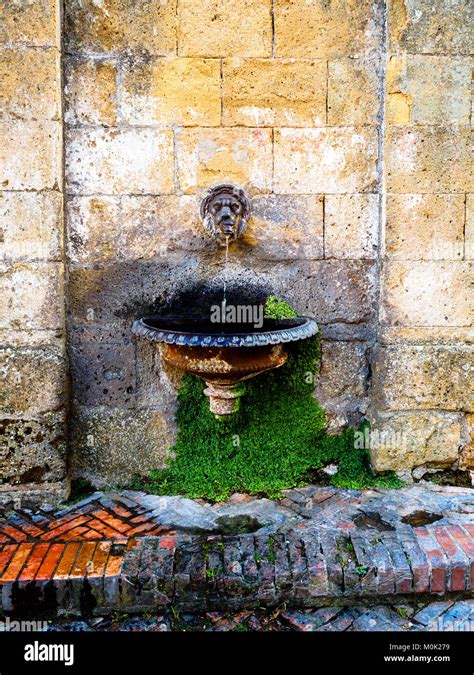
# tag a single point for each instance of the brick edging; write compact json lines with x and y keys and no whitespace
{"x":301,"y":568}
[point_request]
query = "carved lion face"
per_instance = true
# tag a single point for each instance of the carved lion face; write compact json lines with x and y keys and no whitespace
{"x":225,"y":211}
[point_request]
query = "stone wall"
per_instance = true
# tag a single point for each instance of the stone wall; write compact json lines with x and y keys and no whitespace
{"x":347,"y":125}
{"x":423,"y":379}
{"x":165,"y":101}
{"x":32,"y":336}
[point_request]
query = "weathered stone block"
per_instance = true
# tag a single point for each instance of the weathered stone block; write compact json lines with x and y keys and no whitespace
{"x":219,"y":28}
{"x":34,"y":451}
{"x":176,"y":91}
{"x":31,"y":296}
{"x":336,"y":160}
{"x":285,"y":227}
{"x":207,"y":156}
{"x":119,"y":331}
{"x":106,"y":292}
{"x":326,"y":30}
{"x":116,"y":161}
{"x":30,"y":23}
{"x":424,"y":377}
{"x":92,"y":225}
{"x":420,"y":293}
{"x":426,"y":227}
{"x":430,"y":26}
{"x":30,"y":225}
{"x":398,"y":106}
{"x":103,"y":373}
{"x":30,"y":155}
{"x":343,"y":381}
{"x":469,"y":228}
{"x":29,"y":83}
{"x":405,"y":440}
{"x":428,"y":159}
{"x":117,"y":25}
{"x":160,"y":226}
{"x":351,"y":226}
{"x":112,"y":448}
{"x":32,"y":337}
{"x":30,"y":495}
{"x":90,"y":92}
{"x":348,"y":331}
{"x":467,"y":453}
{"x":428,"y":90}
{"x":124,"y":290}
{"x":333,"y":291}
{"x":425,"y":335}
{"x":33,"y":381}
{"x":330,"y":290}
{"x":344,"y":369}
{"x":157,"y":383}
{"x":262,"y":92}
{"x":353,"y":92}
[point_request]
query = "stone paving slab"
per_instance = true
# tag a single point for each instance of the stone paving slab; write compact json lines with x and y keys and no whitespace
{"x":132,"y":551}
{"x":445,"y":616}
{"x":330,"y":618}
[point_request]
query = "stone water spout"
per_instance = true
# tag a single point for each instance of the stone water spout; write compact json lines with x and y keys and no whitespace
{"x":224,"y":353}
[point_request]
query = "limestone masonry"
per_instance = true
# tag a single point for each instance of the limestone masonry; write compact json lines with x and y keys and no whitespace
{"x":348,"y":125}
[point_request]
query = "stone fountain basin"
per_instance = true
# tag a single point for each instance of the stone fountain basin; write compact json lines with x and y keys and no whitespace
{"x":223,"y":354}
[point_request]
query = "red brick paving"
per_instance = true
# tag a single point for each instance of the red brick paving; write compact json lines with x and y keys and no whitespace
{"x":436,"y":557}
{"x":50,"y":562}
{"x":83,"y":558}
{"x":5,"y":557}
{"x":73,"y":543}
{"x":33,"y":563}
{"x":459,"y":561}
{"x":99,"y":559}
{"x":67,"y":561}
{"x":17,"y":562}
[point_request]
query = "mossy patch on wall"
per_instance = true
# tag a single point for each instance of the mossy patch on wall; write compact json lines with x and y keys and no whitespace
{"x":276,"y":440}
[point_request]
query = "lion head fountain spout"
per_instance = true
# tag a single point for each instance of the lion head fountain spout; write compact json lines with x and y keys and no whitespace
{"x":225,"y":211}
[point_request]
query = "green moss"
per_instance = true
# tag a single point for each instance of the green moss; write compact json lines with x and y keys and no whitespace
{"x":271,"y":552}
{"x":362,"y":570}
{"x":278,"y":309}
{"x":275,"y":441}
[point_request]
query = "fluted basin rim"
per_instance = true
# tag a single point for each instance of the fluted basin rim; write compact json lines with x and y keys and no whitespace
{"x":279,"y":331}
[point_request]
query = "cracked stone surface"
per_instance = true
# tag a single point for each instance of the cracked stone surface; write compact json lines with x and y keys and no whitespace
{"x":453,"y":504}
{"x":445,"y":616}
{"x":240,"y":514}
{"x":180,"y":513}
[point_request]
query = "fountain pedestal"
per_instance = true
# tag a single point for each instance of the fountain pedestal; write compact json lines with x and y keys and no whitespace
{"x":223,"y":398}
{"x":222,"y":368}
